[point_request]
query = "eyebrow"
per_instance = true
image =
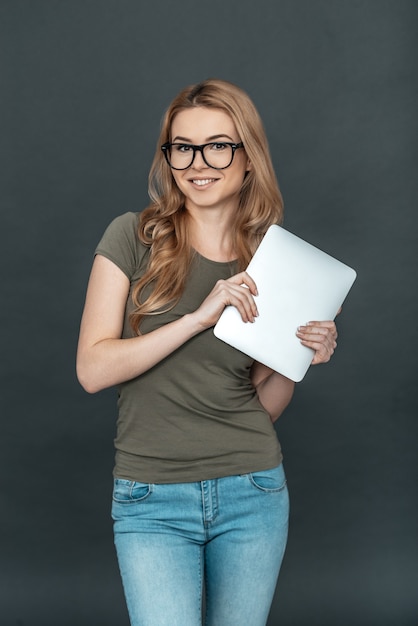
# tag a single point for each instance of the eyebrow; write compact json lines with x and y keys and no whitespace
{"x":212,"y":138}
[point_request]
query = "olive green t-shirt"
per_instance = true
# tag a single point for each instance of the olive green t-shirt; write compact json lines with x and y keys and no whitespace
{"x":195,"y":415}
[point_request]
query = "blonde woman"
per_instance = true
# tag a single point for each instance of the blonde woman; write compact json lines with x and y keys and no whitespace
{"x":200,"y":498}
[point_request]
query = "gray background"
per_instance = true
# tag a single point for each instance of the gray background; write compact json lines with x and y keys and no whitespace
{"x":83,"y":88}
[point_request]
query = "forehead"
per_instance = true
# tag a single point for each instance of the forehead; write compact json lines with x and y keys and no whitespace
{"x":201,"y":123}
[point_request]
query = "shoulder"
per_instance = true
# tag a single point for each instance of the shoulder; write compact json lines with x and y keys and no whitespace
{"x":127,"y":224}
{"x":120,"y":243}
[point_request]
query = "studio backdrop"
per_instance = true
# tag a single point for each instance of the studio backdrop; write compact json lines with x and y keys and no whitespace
{"x":84,"y":85}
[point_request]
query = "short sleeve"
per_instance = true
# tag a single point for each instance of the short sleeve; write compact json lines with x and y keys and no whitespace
{"x":120,"y":244}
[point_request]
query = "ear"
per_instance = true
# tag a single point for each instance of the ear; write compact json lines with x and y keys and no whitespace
{"x":249,"y":166}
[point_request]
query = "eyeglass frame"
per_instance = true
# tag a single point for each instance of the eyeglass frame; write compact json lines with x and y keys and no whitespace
{"x":199,"y":148}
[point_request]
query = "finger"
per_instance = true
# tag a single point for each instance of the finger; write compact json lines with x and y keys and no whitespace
{"x":244,"y":279}
{"x":239,"y":297}
{"x":320,"y":335}
{"x":320,"y":328}
{"x":323,"y":343}
{"x":322,"y":353}
{"x":321,"y":324}
{"x":245,"y":288}
{"x":319,"y":344}
{"x":317,"y":340}
{"x":323,"y":349}
{"x":323,"y":356}
{"x":245,"y":303}
{"x":247,"y":312}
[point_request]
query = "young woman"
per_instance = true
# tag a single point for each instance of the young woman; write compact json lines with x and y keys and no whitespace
{"x":200,"y":498}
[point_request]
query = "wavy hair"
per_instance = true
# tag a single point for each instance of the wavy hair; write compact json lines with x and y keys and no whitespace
{"x":163,"y":224}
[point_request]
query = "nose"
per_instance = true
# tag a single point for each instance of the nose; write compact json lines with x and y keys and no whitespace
{"x":198,"y":161}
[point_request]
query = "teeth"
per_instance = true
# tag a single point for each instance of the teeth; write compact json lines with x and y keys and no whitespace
{"x":206,"y":181}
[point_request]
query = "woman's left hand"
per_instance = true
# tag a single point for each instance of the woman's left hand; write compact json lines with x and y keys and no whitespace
{"x":321,"y":337}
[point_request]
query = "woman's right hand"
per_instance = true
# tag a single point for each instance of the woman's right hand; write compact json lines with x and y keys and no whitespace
{"x":237,"y":291}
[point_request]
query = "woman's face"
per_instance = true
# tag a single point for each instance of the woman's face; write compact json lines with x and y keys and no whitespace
{"x":203,"y":186}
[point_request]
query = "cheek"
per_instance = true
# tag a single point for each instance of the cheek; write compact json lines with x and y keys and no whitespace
{"x":177,"y":179}
{"x":240,"y":176}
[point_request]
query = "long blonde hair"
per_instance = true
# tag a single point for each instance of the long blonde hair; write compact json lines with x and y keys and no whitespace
{"x":163,"y":224}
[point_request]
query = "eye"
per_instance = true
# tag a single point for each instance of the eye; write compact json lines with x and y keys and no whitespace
{"x":182,"y":147}
{"x":218,"y":147}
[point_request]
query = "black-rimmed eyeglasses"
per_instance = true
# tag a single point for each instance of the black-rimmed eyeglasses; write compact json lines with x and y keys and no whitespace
{"x":218,"y":155}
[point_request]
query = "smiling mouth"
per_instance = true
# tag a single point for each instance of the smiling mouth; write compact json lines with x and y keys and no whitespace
{"x":200,"y":182}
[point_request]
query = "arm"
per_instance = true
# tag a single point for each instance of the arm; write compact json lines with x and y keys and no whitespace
{"x":274,"y":390}
{"x":104,"y":359}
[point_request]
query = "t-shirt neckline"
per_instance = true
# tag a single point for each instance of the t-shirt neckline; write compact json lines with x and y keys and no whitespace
{"x":218,"y":263}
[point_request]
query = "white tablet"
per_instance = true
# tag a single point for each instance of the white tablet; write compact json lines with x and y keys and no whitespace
{"x":296,"y":283}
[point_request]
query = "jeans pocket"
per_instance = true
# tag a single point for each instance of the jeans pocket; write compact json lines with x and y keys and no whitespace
{"x":269,"y":481}
{"x":130,"y":491}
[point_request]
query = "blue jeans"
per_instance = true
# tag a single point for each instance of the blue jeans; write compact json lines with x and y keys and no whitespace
{"x":226,"y":535}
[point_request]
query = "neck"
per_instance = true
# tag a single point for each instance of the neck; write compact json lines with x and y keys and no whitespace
{"x":212,"y":235}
